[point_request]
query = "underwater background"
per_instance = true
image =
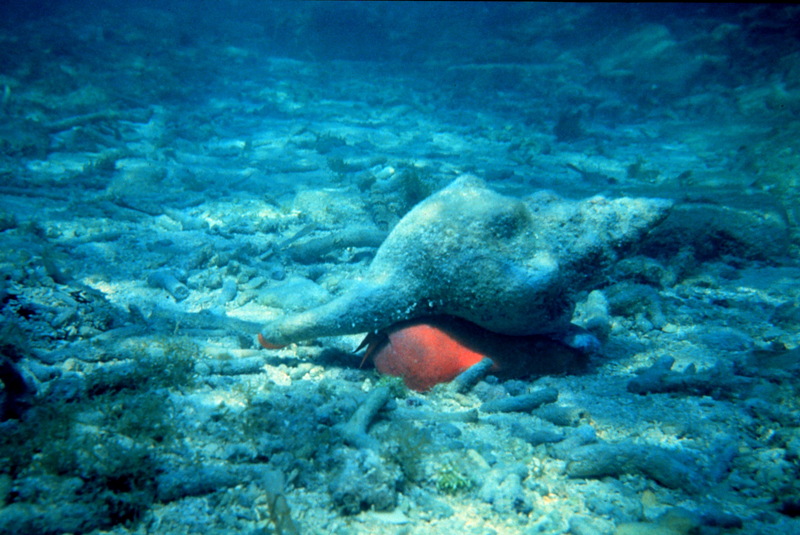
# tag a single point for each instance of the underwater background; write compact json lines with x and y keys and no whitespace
{"x":176,"y":174}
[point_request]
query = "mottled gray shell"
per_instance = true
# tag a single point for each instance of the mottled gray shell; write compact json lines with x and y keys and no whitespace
{"x":513,"y":266}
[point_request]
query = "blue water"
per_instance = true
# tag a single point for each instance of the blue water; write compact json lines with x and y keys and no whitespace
{"x":176,"y":174}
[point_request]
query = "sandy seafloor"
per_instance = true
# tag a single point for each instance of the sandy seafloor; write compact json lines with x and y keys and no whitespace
{"x":173,"y":176}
